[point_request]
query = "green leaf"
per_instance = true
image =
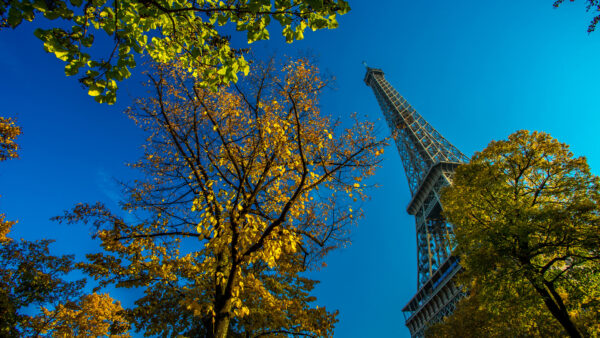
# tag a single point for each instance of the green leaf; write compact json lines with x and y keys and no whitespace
{"x":87,"y":41}
{"x":40,"y":34}
{"x":73,"y":67}
{"x":343,"y":7}
{"x":28,"y":13}
{"x":222,"y":19}
{"x":40,"y":5}
{"x":315,"y":4}
{"x":14,"y":17}
{"x":51,"y":15}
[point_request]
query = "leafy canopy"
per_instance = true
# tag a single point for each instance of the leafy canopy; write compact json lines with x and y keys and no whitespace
{"x":526,"y":215}
{"x":167,"y":30}
{"x":245,"y":189}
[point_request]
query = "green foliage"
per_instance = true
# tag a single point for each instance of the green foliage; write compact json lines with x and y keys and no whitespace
{"x":512,"y":310}
{"x":526,"y":218}
{"x":167,"y":30}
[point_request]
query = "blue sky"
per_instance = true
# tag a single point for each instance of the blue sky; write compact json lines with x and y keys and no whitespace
{"x":476,"y":70}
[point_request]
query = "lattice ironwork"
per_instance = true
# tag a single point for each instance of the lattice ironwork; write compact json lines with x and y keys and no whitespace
{"x":429,"y":161}
{"x":419,"y":144}
{"x":434,"y":235}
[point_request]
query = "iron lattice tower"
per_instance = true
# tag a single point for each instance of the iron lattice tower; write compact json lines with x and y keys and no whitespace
{"x":429,"y":161}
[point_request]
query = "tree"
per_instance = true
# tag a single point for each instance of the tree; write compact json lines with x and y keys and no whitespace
{"x":591,"y":5}
{"x":35,"y":298}
{"x":526,"y":216}
{"x":31,"y":278}
{"x":187,"y":31}
{"x":245,"y":189}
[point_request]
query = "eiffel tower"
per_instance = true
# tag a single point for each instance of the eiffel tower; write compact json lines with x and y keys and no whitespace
{"x":429,"y":161}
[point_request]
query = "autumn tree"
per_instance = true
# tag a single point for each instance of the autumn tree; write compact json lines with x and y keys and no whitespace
{"x":183,"y":30}
{"x":36,"y":298}
{"x":31,"y":278}
{"x":526,"y":217}
{"x":245,"y":189}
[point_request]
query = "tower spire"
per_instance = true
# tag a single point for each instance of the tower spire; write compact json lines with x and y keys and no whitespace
{"x":419,"y":144}
{"x":429,"y":161}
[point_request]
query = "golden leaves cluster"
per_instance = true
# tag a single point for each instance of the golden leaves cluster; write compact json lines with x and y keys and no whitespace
{"x":8,"y":133}
{"x":5,"y":228}
{"x":95,"y":315}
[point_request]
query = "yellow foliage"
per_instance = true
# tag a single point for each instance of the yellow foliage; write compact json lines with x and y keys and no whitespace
{"x":247,"y":188}
{"x":8,"y":133}
{"x":94,"y":316}
{"x":5,"y":228}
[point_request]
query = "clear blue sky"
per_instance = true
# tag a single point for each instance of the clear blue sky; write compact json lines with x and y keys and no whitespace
{"x":476,"y":70}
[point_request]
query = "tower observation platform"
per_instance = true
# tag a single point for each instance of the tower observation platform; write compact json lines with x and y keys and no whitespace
{"x":429,"y":161}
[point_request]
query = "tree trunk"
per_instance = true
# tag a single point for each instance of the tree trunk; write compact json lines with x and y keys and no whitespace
{"x":222,"y":325}
{"x":223,"y":305}
{"x":546,"y":290}
{"x":560,"y":313}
